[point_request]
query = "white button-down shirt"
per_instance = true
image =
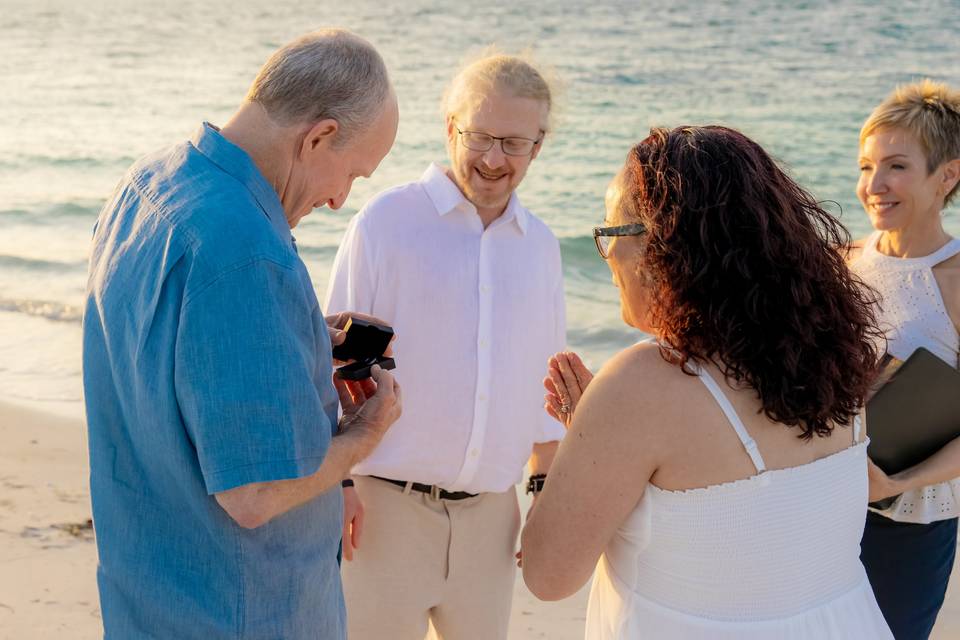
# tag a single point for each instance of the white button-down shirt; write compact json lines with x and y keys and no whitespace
{"x":477,"y":312}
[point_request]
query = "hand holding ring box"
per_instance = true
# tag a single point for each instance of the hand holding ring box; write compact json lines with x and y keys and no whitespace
{"x":365,"y":344}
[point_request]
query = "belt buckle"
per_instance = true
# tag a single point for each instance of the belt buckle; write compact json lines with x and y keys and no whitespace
{"x":434,"y":492}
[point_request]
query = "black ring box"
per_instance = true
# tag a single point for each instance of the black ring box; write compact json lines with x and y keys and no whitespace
{"x":364,"y":344}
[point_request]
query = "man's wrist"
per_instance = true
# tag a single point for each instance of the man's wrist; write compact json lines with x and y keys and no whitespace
{"x":363,"y":438}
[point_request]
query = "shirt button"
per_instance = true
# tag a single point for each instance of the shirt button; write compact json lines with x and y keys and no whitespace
{"x":483,"y":343}
{"x":485,"y":288}
{"x":474,"y":453}
{"x":483,"y":397}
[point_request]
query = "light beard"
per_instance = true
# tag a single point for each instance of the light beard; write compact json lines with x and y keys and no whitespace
{"x":488,"y":202}
{"x":478,"y":199}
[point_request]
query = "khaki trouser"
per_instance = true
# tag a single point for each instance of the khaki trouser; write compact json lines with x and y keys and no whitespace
{"x":446,"y":561}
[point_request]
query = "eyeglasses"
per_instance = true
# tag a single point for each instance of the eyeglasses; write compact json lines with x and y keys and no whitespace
{"x":511,"y":145}
{"x":602,"y":235}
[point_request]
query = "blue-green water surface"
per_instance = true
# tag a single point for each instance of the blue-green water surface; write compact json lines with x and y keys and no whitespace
{"x":90,"y":86}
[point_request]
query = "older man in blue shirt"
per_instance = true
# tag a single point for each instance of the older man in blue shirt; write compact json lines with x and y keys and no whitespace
{"x":215,"y":449}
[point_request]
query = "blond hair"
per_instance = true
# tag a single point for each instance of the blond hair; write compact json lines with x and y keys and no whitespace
{"x":329,"y":73}
{"x":931,"y":112}
{"x":516,"y":75}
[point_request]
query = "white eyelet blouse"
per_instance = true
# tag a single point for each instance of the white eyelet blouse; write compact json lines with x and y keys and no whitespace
{"x":913,"y":315}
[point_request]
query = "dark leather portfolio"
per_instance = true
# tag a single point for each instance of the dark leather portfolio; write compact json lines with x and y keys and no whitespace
{"x":915,"y":412}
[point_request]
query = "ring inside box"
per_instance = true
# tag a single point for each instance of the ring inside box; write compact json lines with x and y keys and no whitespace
{"x":365,"y":343}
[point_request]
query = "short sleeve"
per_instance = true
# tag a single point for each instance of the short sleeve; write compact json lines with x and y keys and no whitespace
{"x":248,"y":370}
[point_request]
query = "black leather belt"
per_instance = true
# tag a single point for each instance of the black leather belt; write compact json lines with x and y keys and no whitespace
{"x":433,"y":490}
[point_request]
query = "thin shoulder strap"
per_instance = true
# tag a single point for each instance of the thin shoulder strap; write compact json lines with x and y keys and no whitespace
{"x":856,"y":427}
{"x":945,"y":252}
{"x":748,"y":443}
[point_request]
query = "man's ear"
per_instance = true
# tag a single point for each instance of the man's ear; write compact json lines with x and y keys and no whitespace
{"x":538,"y":146}
{"x":536,"y":149}
{"x":451,"y":129}
{"x":950,"y":175}
{"x":320,"y":135}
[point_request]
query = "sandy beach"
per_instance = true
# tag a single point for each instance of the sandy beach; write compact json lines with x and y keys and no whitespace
{"x":48,"y":557}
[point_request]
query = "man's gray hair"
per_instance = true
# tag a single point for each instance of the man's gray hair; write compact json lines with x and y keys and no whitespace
{"x":330,"y":73}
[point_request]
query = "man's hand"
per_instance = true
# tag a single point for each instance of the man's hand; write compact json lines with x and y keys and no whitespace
{"x":337,"y":321}
{"x":352,"y":521}
{"x":369,"y":407}
{"x":881,"y":485}
{"x":519,"y":554}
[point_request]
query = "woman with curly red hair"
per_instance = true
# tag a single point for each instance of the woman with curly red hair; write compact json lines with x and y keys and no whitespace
{"x":718,"y":473}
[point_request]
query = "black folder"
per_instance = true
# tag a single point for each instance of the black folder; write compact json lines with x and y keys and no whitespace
{"x":915,"y":412}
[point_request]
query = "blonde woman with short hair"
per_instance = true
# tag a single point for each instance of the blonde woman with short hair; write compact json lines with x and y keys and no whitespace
{"x":909,"y":172}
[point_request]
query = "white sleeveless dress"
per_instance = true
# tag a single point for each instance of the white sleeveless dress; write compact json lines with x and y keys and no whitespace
{"x":912,"y":315}
{"x":775,"y":555}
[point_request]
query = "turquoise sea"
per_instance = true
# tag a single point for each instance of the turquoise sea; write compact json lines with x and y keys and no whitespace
{"x":90,"y":86}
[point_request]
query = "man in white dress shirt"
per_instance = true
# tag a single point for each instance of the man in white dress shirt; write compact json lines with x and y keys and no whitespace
{"x":471,"y":281}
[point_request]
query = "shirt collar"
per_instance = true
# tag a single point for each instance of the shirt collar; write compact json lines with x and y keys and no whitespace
{"x":446,"y":197}
{"x":238,"y":164}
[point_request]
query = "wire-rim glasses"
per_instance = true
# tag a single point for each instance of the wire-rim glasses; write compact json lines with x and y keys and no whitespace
{"x":602,"y":235}
{"x":511,"y":145}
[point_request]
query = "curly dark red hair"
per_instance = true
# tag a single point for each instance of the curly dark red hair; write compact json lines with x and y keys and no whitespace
{"x":744,"y":272}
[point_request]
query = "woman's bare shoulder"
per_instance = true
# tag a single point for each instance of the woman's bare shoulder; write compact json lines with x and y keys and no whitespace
{"x":640,"y":362}
{"x":639,"y":381}
{"x":947,"y":274}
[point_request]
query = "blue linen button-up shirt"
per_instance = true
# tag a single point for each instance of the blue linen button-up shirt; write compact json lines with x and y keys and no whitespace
{"x":206,"y":366}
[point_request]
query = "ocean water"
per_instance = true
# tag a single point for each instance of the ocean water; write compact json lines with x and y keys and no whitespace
{"x":90,"y":86}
